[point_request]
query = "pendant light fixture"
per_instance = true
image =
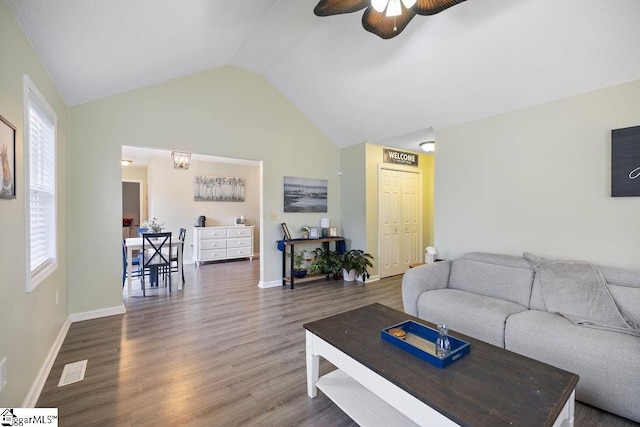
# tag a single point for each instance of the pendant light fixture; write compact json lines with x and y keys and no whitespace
{"x":181,"y":160}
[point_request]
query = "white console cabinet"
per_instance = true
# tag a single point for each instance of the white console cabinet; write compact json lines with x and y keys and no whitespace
{"x":219,"y":243}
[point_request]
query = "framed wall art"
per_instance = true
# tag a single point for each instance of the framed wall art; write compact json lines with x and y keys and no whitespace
{"x":625,"y":162}
{"x":285,"y":231}
{"x":8,"y":159}
{"x":305,"y":194}
{"x":217,"y":189}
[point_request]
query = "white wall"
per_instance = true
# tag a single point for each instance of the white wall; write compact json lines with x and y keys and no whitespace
{"x":538,"y":180}
{"x":171,"y":198}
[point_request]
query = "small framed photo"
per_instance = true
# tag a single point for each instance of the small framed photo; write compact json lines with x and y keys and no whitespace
{"x":7,"y":159}
{"x":285,"y":231}
{"x":313,"y":232}
{"x":333,"y":232}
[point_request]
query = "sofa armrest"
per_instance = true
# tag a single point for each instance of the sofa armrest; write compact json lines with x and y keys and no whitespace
{"x":420,"y":279}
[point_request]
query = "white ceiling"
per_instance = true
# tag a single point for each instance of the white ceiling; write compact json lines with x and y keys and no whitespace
{"x":476,"y":59}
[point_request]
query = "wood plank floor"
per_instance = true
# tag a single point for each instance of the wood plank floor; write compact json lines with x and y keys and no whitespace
{"x":222,"y":352}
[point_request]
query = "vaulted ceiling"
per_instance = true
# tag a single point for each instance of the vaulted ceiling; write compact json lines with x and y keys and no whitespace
{"x":476,"y":59}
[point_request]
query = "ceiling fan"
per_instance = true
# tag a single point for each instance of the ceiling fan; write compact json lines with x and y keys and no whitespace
{"x":384,"y":18}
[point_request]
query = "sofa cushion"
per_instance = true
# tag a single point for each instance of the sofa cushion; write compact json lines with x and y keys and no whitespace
{"x":608,"y":363}
{"x":624,"y":284}
{"x":475,"y":315}
{"x":493,"y":279}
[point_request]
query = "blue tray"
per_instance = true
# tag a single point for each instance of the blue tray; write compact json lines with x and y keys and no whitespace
{"x":458,"y":347}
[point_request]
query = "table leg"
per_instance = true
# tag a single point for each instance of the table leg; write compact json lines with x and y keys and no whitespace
{"x":313,"y":367}
{"x":129,"y":270}
{"x":291,"y":265}
{"x":180,"y":273}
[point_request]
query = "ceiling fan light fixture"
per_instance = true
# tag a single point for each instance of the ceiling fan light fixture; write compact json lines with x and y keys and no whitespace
{"x":394,"y":8}
{"x":379,"y":5}
{"x":376,"y":12}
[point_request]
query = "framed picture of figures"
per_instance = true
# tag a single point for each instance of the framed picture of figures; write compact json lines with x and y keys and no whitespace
{"x":8,"y":159}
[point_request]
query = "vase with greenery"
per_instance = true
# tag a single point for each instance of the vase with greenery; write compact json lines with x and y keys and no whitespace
{"x":153,"y":225}
{"x":326,"y":262}
{"x":355,"y":263}
{"x":305,"y":229}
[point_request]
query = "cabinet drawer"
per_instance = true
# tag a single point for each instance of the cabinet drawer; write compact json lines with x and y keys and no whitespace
{"x":239,"y":243}
{"x":214,"y":233}
{"x":213,"y":244}
{"x":239,"y":232}
{"x":239,"y":252}
{"x":212,"y":254}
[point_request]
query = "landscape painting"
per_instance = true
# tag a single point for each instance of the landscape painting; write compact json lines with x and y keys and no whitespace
{"x":305,"y":194}
{"x":217,"y":189}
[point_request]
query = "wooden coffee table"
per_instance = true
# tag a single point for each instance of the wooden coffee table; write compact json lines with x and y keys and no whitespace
{"x":377,"y":383}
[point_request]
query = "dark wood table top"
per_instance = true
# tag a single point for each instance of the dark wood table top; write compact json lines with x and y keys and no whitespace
{"x":488,"y":387}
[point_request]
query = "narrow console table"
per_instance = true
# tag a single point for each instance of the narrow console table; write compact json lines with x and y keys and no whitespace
{"x":291,"y":244}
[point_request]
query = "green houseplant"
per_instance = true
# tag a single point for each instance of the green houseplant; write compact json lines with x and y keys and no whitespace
{"x":299,"y":260}
{"x":326,"y":262}
{"x":355,"y":263}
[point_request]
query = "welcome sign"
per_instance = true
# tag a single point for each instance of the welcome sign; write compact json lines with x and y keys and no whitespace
{"x":400,"y":157}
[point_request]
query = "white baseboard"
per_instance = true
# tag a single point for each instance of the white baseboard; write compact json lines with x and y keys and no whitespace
{"x":95,"y":314}
{"x":374,"y":278}
{"x":271,"y":284}
{"x":33,"y":394}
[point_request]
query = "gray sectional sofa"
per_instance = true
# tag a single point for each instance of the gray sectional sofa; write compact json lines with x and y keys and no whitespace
{"x":504,"y":300}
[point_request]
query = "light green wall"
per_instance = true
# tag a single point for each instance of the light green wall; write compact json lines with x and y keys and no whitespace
{"x":29,"y":322}
{"x":353,"y":183}
{"x":538,"y":180}
{"x":224,"y":112}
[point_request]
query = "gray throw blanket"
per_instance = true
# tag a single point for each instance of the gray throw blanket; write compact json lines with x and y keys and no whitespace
{"x":578,"y":291}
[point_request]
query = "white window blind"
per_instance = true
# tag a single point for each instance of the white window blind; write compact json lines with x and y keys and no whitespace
{"x":41,"y":146}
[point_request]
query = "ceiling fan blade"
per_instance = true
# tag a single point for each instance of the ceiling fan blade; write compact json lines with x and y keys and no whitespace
{"x":431,"y":7}
{"x":336,"y":7}
{"x":383,"y":26}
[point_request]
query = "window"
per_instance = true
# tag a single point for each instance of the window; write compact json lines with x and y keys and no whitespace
{"x":40,"y":185}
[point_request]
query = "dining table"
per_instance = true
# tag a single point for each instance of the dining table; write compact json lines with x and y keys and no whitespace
{"x":135,"y":244}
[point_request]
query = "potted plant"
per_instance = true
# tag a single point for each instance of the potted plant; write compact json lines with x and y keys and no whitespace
{"x":305,"y":229}
{"x":355,"y":263}
{"x":327,"y":262}
{"x":299,"y":260}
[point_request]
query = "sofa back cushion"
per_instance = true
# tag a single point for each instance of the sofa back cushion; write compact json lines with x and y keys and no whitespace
{"x":623,"y":283}
{"x":499,"y":276}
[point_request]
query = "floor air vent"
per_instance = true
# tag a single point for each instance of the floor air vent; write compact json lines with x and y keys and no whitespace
{"x":73,"y":372}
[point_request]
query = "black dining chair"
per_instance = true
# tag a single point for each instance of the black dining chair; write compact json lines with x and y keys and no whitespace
{"x":174,"y":255}
{"x":155,"y":256}
{"x":135,"y":261}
